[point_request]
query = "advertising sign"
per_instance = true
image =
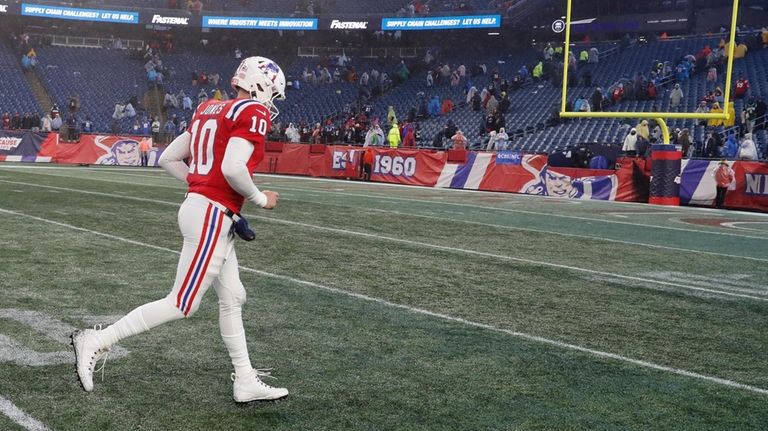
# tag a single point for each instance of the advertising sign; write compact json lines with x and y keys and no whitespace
{"x":78,"y":14}
{"x":259,"y":23}
{"x":441,"y":22}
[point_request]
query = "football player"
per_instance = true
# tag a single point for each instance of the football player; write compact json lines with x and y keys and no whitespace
{"x":223,"y":144}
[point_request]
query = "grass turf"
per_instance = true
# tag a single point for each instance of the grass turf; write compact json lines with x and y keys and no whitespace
{"x":360,"y":364}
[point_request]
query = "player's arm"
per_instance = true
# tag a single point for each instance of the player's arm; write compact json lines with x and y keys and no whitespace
{"x":235,"y":170}
{"x":172,"y":159}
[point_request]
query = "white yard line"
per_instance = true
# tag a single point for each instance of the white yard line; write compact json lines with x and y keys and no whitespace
{"x":437,"y":247}
{"x":421,"y":311}
{"x":19,"y":417}
{"x":432,"y":217}
{"x":646,"y":207}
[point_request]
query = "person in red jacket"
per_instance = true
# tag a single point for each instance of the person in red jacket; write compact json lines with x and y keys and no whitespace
{"x":724,"y":176}
{"x":741,"y":87}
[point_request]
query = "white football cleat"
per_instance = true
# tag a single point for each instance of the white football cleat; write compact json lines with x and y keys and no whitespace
{"x":250,"y":388}
{"x":87,"y":354}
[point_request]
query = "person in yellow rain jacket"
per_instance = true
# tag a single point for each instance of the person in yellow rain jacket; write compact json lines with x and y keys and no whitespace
{"x":394,"y":136}
{"x":716,"y":109}
{"x":731,"y":121}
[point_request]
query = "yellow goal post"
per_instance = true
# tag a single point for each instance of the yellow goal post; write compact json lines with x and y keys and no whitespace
{"x":658,"y":116}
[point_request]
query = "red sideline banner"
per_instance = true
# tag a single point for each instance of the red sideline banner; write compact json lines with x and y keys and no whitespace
{"x":26,"y":146}
{"x":504,"y":171}
{"x":749,"y":189}
{"x":105,"y":150}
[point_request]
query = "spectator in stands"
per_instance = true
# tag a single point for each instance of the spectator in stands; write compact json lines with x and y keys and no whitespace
{"x":538,"y":72}
{"x":156,"y":130}
{"x":504,"y":103}
{"x":471,"y":94}
{"x":136,"y":127}
{"x":582,"y":105}
{"x":643,"y":130}
{"x":597,"y":100}
{"x":447,"y":106}
{"x":684,"y":140}
{"x":747,"y":150}
{"x":169,"y":131}
{"x":548,"y":52}
{"x":748,"y":115}
{"x":434,"y":106}
{"x":617,"y":94}
{"x":292,"y":133}
{"x":46,"y":123}
{"x":146,"y":126}
{"x":716,"y":109}
{"x":502,"y":139}
{"x":182,"y":127}
{"x":16,"y":121}
{"x":492,"y":105}
{"x":523,"y":72}
{"x":740,"y":51}
{"x":731,"y":120}
{"x":87,"y":125}
{"x":594,"y":55}
{"x":26,"y":121}
{"x":6,"y":121}
{"x":712,"y":76}
{"x":675,"y":97}
{"x":583,"y":57}
{"x":630,"y":143}
{"x":375,"y":136}
{"x":168,"y":100}
{"x":393,"y":137}
{"x":719,"y":97}
{"x":409,"y":135}
{"x":56,"y":122}
{"x":317,"y":134}
{"x":459,"y":141}
{"x":119,"y":111}
{"x":129,"y":111}
{"x":741,"y":88}
{"x":72,"y":134}
{"x":724,"y":176}
{"x":391,"y":116}
{"x":712,"y":144}
{"x":202,"y":96}
{"x":731,"y":147}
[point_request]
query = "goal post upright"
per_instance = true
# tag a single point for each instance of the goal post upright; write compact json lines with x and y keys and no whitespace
{"x":658,"y":116}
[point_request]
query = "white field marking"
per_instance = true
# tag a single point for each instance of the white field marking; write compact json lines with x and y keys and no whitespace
{"x":446,"y":317}
{"x":732,"y":282}
{"x":682,"y":210}
{"x":736,"y":225}
{"x":520,"y":211}
{"x":447,"y":203}
{"x":19,"y":417}
{"x":434,"y":216}
{"x":629,"y":214}
{"x":49,"y":327}
{"x":435,"y":246}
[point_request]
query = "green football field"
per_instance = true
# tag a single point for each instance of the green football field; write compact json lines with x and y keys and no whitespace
{"x":384,"y":308}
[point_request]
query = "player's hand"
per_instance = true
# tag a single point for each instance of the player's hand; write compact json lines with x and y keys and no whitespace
{"x":272,"y":198}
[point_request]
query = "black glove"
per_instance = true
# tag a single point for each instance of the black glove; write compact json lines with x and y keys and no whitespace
{"x":242,"y":229}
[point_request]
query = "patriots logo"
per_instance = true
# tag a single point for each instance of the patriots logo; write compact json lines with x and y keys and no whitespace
{"x":270,"y":67}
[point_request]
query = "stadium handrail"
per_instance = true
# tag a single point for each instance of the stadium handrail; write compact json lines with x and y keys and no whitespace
{"x":88,"y":41}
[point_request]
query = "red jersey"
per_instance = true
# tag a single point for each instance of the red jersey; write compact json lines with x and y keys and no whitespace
{"x":742,"y":85}
{"x":211,"y":127}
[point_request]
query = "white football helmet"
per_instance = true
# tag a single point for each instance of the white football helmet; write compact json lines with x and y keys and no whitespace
{"x":263,"y":79}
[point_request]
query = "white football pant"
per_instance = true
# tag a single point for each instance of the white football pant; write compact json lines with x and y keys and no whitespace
{"x":207,"y":257}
